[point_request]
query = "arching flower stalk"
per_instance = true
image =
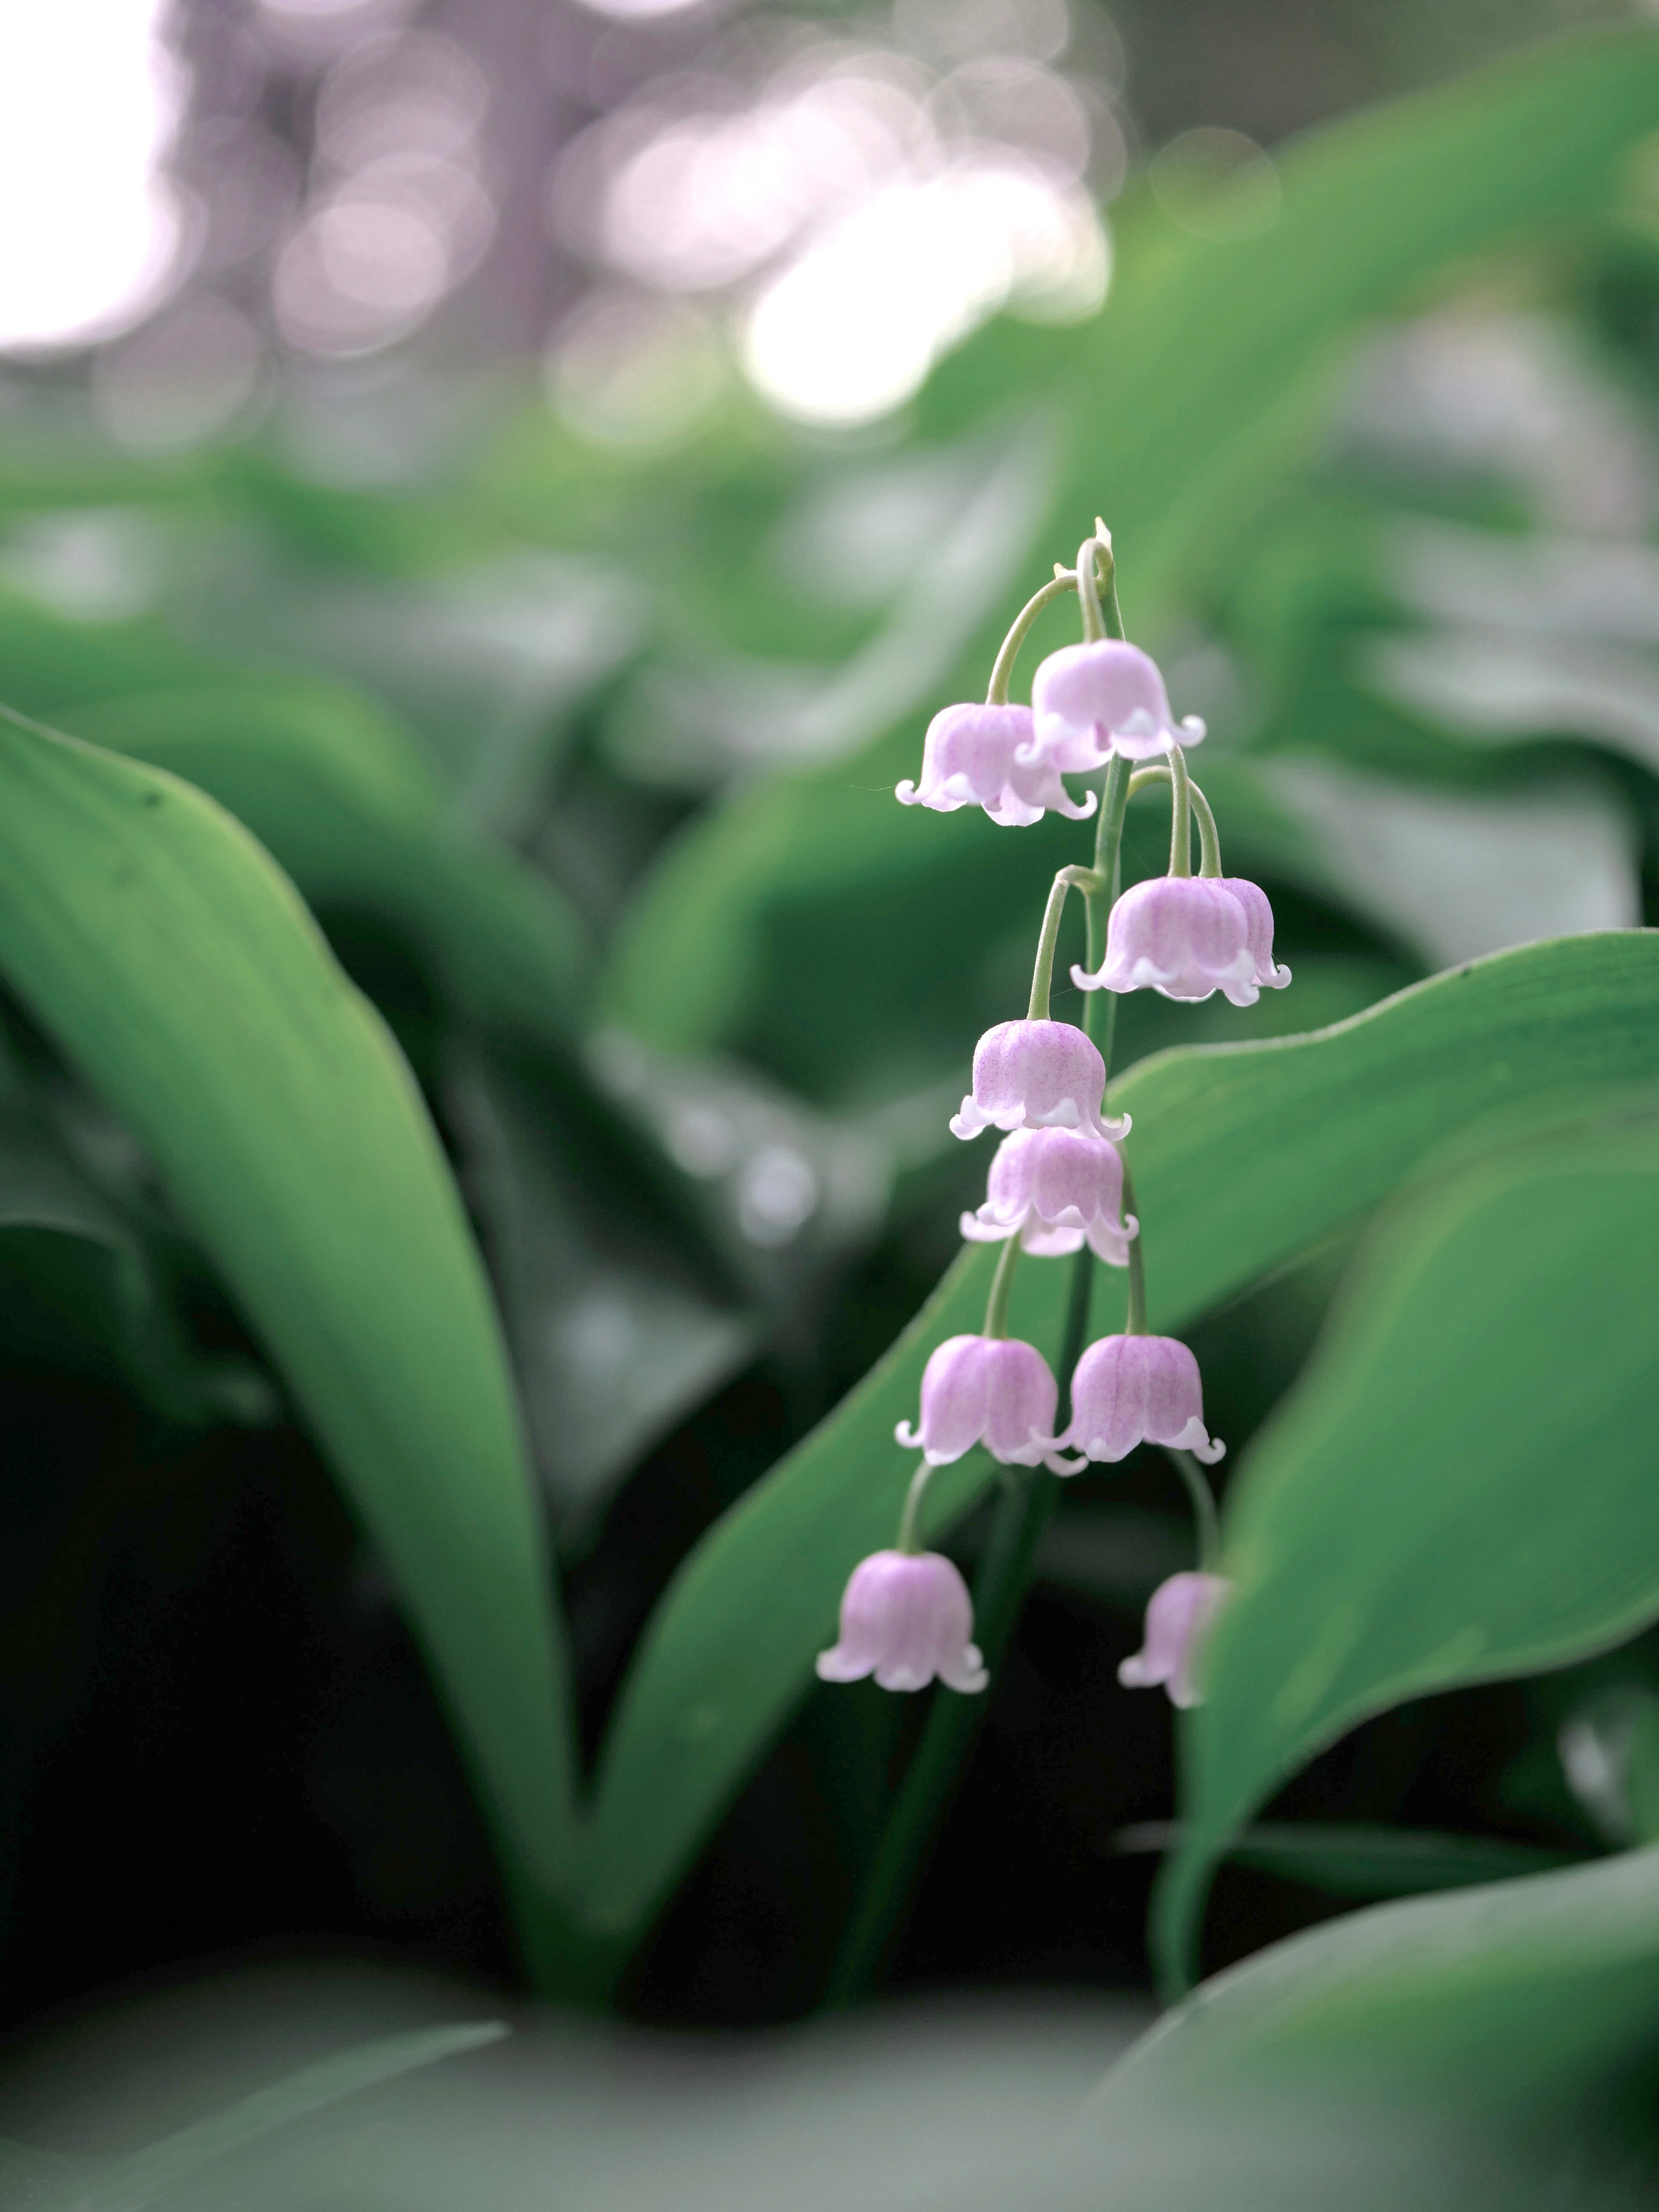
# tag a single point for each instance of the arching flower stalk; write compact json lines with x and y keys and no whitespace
{"x":1058,"y":1184}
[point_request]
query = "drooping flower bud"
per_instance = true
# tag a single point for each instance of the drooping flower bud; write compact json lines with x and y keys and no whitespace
{"x":1093,"y":701}
{"x":1054,"y":1189}
{"x":988,"y":756}
{"x":1188,"y":935}
{"x":906,"y":1617}
{"x":1129,"y":1390}
{"x":1177,"y":1615}
{"x":1037,"y":1075}
{"x":992,"y":1390}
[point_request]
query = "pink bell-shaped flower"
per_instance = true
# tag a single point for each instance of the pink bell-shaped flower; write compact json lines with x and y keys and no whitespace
{"x":906,"y":1617}
{"x":1054,"y":1189}
{"x":1037,"y":1075}
{"x":1137,"y":1389}
{"x":1188,"y":935}
{"x":1093,"y":701}
{"x":985,"y":756}
{"x":1179,"y":1613}
{"x":992,"y":1390}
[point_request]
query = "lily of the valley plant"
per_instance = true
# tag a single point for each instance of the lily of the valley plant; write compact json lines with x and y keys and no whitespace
{"x":1060,"y":1184}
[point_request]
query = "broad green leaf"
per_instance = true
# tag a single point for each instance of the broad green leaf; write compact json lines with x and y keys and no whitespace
{"x":1457,"y":1490}
{"x":81,"y":1270}
{"x":338,"y":794}
{"x":177,"y":971}
{"x":1243,"y":1156}
{"x":616,"y":1334}
{"x":1468,"y":2050}
{"x":1203,"y":380}
{"x":332,"y":784}
{"x":1348,"y":1859}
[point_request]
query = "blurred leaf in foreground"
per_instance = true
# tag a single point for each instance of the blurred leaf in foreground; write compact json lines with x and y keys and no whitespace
{"x":1493,"y":2047}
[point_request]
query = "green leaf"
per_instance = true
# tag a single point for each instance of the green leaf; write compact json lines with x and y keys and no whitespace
{"x":1453,"y":2051}
{"x":179,"y":971}
{"x":81,"y":1273}
{"x":1457,"y":1490}
{"x":1348,"y":1859}
{"x":1243,"y":1156}
{"x":339,"y":796}
{"x":616,"y":1333}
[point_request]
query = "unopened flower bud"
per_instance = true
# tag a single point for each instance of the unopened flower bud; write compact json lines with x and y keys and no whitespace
{"x":988,"y":756}
{"x":906,"y":1617}
{"x":1054,"y":1189}
{"x":1188,"y":935}
{"x":1093,"y":701}
{"x":1037,"y":1075}
{"x":1129,"y":1390}
{"x":993,"y":1390}
{"x":1179,"y":1613}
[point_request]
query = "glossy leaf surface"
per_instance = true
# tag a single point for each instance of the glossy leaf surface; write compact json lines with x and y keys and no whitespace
{"x":1494,"y":1517}
{"x":1243,"y":1156}
{"x":173,"y":962}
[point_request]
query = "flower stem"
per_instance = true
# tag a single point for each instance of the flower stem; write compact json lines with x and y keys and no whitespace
{"x":1022,"y":1511}
{"x":996,"y":1306}
{"x":907,"y":1541}
{"x":1100,"y":1019}
{"x":1209,"y":837}
{"x":1135,"y":1322}
{"x":1180,"y":816}
{"x":1002,"y":668}
{"x":1043,"y":970}
{"x":934,"y":1775}
{"x":1087,"y":584}
{"x":935,"y":1772}
{"x":1111,"y":611}
{"x":1204,"y":1512}
{"x":1068,"y":880}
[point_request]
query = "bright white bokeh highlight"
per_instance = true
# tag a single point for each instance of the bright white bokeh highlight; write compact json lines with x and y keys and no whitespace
{"x":399,"y":214}
{"x":861,"y":211}
{"x":90,"y":97}
{"x":850,"y":329}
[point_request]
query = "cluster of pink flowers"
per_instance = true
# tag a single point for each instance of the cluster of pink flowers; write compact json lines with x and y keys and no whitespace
{"x":1056,"y":1182}
{"x":1088,"y":701}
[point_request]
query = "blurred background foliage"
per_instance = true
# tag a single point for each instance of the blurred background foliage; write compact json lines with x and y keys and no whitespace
{"x":564,"y":461}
